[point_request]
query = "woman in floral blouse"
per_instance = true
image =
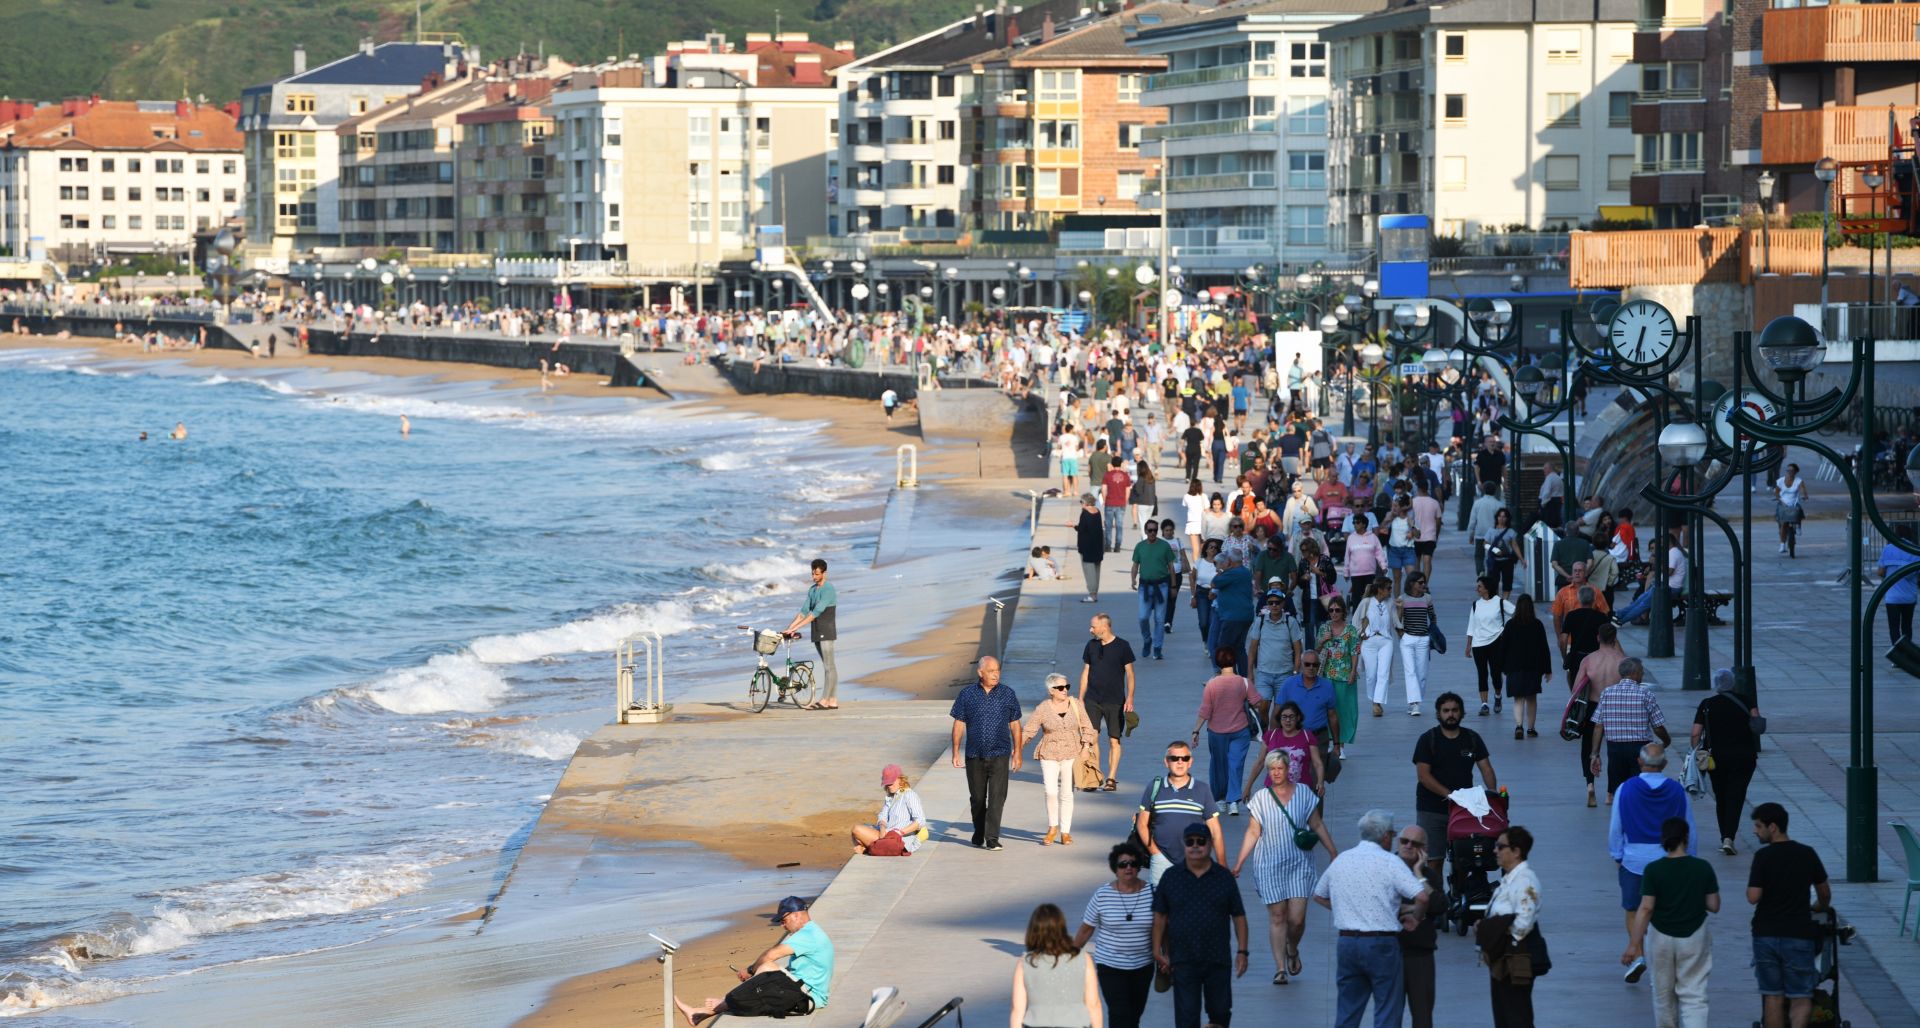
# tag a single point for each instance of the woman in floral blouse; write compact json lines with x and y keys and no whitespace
{"x":1339,"y":656}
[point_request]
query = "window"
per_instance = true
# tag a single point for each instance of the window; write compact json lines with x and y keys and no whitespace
{"x":1563,"y":110}
{"x":203,"y":196}
{"x":107,"y":193}
{"x":1127,"y":90}
{"x":1680,"y":151}
{"x":134,"y":222}
{"x":1306,"y":226}
{"x":1653,"y":81}
{"x":1307,"y":169}
{"x":699,"y":131}
{"x":229,"y":167}
{"x":133,"y":165}
{"x":106,"y":164}
{"x":133,"y":194}
{"x":1127,"y":184}
{"x":1130,"y":134}
{"x":66,"y":164}
{"x":1307,"y":115}
{"x":1453,"y":46}
{"x":108,"y":221}
{"x":228,"y":195}
{"x":1563,"y":172}
{"x":1059,"y":86}
{"x":1620,"y":171}
{"x":1563,"y":46}
{"x":1453,"y":109}
{"x":1058,"y":135}
{"x":1683,"y":80}
{"x":300,"y":103}
{"x":1307,"y":60}
{"x":949,"y":130}
{"x":359,"y":105}
{"x":202,"y":167}
{"x":944,"y":85}
{"x":1619,"y":110}
{"x":945,"y":175}
{"x":1453,"y":173}
{"x":1046,"y":184}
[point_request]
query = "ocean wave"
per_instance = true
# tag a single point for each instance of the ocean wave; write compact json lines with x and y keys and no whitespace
{"x":35,"y":996}
{"x":539,"y":743}
{"x":729,"y":460}
{"x":447,"y":681}
{"x":599,"y":632}
{"x":785,"y":570}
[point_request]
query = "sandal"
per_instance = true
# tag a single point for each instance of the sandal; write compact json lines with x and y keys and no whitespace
{"x":1293,"y":962}
{"x":1279,"y":978}
{"x":1109,"y":786}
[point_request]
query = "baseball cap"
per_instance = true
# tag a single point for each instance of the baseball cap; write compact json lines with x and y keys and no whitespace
{"x":1274,"y":579}
{"x":790,"y":905}
{"x":890,"y":774}
{"x":1196,"y":830}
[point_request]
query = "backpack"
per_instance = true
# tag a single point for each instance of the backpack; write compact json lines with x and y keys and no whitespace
{"x":1134,"y":835}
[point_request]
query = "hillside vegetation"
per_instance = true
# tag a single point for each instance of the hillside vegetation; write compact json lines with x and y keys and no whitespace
{"x":163,"y":49}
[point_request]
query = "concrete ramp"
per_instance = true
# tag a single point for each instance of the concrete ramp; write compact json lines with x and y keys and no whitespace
{"x":895,"y":527}
{"x":978,"y":415}
{"x":667,"y":371}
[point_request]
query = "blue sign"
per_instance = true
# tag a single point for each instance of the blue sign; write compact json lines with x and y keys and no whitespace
{"x":1404,"y":240}
{"x":1074,"y":321}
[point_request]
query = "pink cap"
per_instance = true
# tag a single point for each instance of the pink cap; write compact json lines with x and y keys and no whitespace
{"x":890,"y":774}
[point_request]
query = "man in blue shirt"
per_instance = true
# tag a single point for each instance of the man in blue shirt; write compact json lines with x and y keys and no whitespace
{"x":1232,"y":610}
{"x":986,"y":741}
{"x":819,"y":610}
{"x":1242,"y":396}
{"x":1318,"y":711}
{"x":766,"y":988}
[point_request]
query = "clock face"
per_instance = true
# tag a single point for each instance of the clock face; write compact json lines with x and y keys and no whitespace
{"x":1642,"y":332}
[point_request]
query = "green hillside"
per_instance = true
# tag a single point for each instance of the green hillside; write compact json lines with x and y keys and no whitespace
{"x":160,"y":49}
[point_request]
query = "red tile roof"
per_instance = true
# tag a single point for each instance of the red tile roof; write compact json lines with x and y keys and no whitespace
{"x":123,"y":125}
{"x":796,"y":62}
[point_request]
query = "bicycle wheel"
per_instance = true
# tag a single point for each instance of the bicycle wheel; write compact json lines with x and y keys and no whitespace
{"x":800,"y":685}
{"x":760,"y":689}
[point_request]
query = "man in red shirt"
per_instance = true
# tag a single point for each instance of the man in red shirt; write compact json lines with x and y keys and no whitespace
{"x":1114,"y":487}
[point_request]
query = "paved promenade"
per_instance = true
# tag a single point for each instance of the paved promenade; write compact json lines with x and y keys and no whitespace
{"x":950,"y":921}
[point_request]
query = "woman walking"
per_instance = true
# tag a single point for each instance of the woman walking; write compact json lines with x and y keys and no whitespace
{"x":1143,"y":496}
{"x":1054,"y":983}
{"x":1377,"y":641}
{"x":1283,"y":870}
{"x":1723,"y":726}
{"x":1182,"y":564}
{"x":1339,"y":646}
{"x":1213,"y":523}
{"x":1503,"y":551}
{"x":1485,"y":623}
{"x":1060,"y":729}
{"x":1527,"y":663}
{"x":1414,"y":616}
{"x":1089,"y":537}
{"x":1223,"y":713}
{"x":1195,"y":506}
{"x":1301,"y":748}
{"x":1119,"y":922}
{"x":1516,"y":903}
{"x":1218,"y":445}
{"x":1365,"y":557}
{"x":1319,"y":583}
{"x":1789,"y":507}
{"x":1597,"y":670}
{"x":1203,"y":572}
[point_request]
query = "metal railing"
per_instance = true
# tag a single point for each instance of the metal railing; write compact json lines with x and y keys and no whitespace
{"x":120,"y":311}
{"x":653,"y":707}
{"x":1204,"y":76}
{"x":1217,"y":127}
{"x":1208,"y":183}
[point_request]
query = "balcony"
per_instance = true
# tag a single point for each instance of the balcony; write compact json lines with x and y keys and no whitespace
{"x":1221,"y":127}
{"x":1669,"y":22}
{"x":1213,"y":183}
{"x":1693,"y":166}
{"x":1842,"y":33}
{"x":1843,"y":133}
{"x":1207,"y":76}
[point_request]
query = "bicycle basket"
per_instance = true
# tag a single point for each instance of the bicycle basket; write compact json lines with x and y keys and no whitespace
{"x":766,"y":643}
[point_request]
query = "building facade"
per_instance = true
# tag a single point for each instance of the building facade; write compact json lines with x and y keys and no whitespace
{"x":680,"y":161}
{"x":87,"y":178}
{"x":1420,"y":125}
{"x":1245,"y":142}
{"x":502,"y":164}
{"x":292,"y":148}
{"x":1682,"y":113}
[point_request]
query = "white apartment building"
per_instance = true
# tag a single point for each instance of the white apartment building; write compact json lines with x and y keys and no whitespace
{"x":1244,"y":174}
{"x":89,"y":178}
{"x":677,"y":162}
{"x":1470,"y":113}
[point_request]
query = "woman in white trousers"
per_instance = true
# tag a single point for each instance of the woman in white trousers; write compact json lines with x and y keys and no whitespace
{"x":1376,"y":622}
{"x":1413,"y":616}
{"x":1060,"y":729}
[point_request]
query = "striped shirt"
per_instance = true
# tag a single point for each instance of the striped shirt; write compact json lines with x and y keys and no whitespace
{"x":1415,"y":616}
{"x":1628,"y":712}
{"x":1122,"y":926}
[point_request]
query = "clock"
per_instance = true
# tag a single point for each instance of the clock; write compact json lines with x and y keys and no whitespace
{"x":1641,"y":332}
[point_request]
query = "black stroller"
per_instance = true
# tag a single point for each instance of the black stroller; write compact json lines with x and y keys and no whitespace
{"x":1470,"y":842}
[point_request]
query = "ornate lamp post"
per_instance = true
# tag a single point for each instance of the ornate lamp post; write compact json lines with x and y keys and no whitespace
{"x":1826,"y":169}
{"x":1684,"y":445}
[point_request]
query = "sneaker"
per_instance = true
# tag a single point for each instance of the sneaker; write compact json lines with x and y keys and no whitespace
{"x":1413,"y":710}
{"x":1634,"y":972}
{"x":1233,"y":808}
{"x":1089,"y":599}
{"x":1783,"y":547}
{"x":1485,"y":710}
{"x":995,"y":846}
{"x":1726,"y":847}
{"x":1157,"y":655}
{"x":1496,"y":705}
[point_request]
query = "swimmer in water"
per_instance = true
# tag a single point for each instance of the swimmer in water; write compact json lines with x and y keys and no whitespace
{"x":180,"y":430}
{"x":406,"y":427}
{"x":143,"y":437}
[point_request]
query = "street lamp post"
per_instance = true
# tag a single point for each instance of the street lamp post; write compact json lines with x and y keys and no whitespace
{"x":1826,"y":169}
{"x":1684,"y":445}
{"x":1765,"y":182}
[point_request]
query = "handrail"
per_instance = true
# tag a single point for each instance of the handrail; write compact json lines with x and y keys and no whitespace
{"x":906,"y":459}
{"x":654,"y":707}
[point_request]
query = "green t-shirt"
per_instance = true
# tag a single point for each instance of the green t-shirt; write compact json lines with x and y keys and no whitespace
{"x":1155,"y":558}
{"x":812,"y":960}
{"x":1679,"y":887}
{"x":1102,"y":459}
{"x":1266,"y":566}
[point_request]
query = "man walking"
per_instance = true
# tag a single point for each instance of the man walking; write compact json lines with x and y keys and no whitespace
{"x":1273,"y":645}
{"x":1232,"y":610}
{"x":1115,"y":486}
{"x":1106,"y":688}
{"x":1444,"y":758}
{"x":1480,"y":522}
{"x":1170,"y":801}
{"x":986,"y":741}
{"x":1677,"y":892}
{"x":1785,"y":937}
{"x":1151,"y":575}
{"x":1193,"y":904}
{"x":1627,"y":718}
{"x":1319,"y":707}
{"x":1420,"y":927}
{"x":1580,"y":630}
{"x":819,"y":611}
{"x":1635,"y":836}
{"x":1365,"y":887}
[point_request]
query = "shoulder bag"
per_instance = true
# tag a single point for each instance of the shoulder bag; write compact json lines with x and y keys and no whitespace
{"x":1436,"y":639}
{"x":1251,"y":702}
{"x":1134,"y":835}
{"x":1305,"y":838}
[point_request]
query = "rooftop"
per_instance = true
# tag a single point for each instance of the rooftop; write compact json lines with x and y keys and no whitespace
{"x":969,"y":38}
{"x":88,"y":123}
{"x":384,"y":64}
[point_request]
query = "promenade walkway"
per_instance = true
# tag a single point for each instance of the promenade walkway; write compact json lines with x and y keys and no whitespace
{"x":950,"y":921}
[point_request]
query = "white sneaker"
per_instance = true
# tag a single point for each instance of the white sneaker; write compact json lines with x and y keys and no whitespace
{"x":1233,"y":809}
{"x":1783,"y":547}
{"x":1413,"y":710}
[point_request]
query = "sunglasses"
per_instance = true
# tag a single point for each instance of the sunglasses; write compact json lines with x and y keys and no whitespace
{"x":1415,"y":845}
{"x":1504,"y":846}
{"x":1179,"y":760}
{"x":1059,"y":688}
{"x":1309,"y":663}
{"x":1124,"y":864}
{"x":1196,"y":843}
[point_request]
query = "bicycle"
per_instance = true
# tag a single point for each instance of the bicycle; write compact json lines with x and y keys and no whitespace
{"x":764,"y":687}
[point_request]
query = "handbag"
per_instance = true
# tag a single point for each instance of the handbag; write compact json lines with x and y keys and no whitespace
{"x":1305,"y":838}
{"x":1436,"y":639}
{"x":1331,"y":764}
{"x":1086,"y":770}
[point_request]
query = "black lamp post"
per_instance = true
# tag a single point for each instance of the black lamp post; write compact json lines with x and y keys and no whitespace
{"x":1684,"y":445}
{"x":1765,"y":183}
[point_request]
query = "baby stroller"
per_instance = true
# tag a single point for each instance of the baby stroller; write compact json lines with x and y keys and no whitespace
{"x":1470,"y":842}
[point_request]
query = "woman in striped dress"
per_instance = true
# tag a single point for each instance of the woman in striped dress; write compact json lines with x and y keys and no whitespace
{"x":1283,"y":873}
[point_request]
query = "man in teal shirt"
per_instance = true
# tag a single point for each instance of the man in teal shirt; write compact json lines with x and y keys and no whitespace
{"x":769,"y":990}
{"x":819,"y":610}
{"x":1152,"y":575}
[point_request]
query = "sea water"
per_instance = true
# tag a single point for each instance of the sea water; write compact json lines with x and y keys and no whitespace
{"x":256,"y":686}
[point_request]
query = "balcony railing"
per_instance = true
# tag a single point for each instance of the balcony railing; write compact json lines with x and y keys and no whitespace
{"x":1209,"y":183}
{"x":1671,"y":21}
{"x":1654,"y":96}
{"x":1204,"y":76}
{"x":1841,"y":33}
{"x":1220,"y":127}
{"x":1666,"y":167}
{"x":1843,"y":133}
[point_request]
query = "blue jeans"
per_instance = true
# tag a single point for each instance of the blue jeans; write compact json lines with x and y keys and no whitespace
{"x":1113,"y":517}
{"x":1641,"y":605}
{"x":1784,"y":967}
{"x":1267,"y":683}
{"x":1231,"y":634}
{"x":1369,"y":966}
{"x":1227,"y":753}
{"x":1205,"y":608}
{"x":1153,"y":615}
{"x":1194,"y":983}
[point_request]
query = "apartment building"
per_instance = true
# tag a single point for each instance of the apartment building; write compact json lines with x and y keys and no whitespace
{"x":1820,"y":82}
{"x":89,"y":178}
{"x":1481,"y":115}
{"x":292,"y":148}
{"x":1052,"y":124}
{"x":502,"y":167}
{"x":1682,"y":113}
{"x":679,"y":161}
{"x":1245,"y":142}
{"x":900,"y":109}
